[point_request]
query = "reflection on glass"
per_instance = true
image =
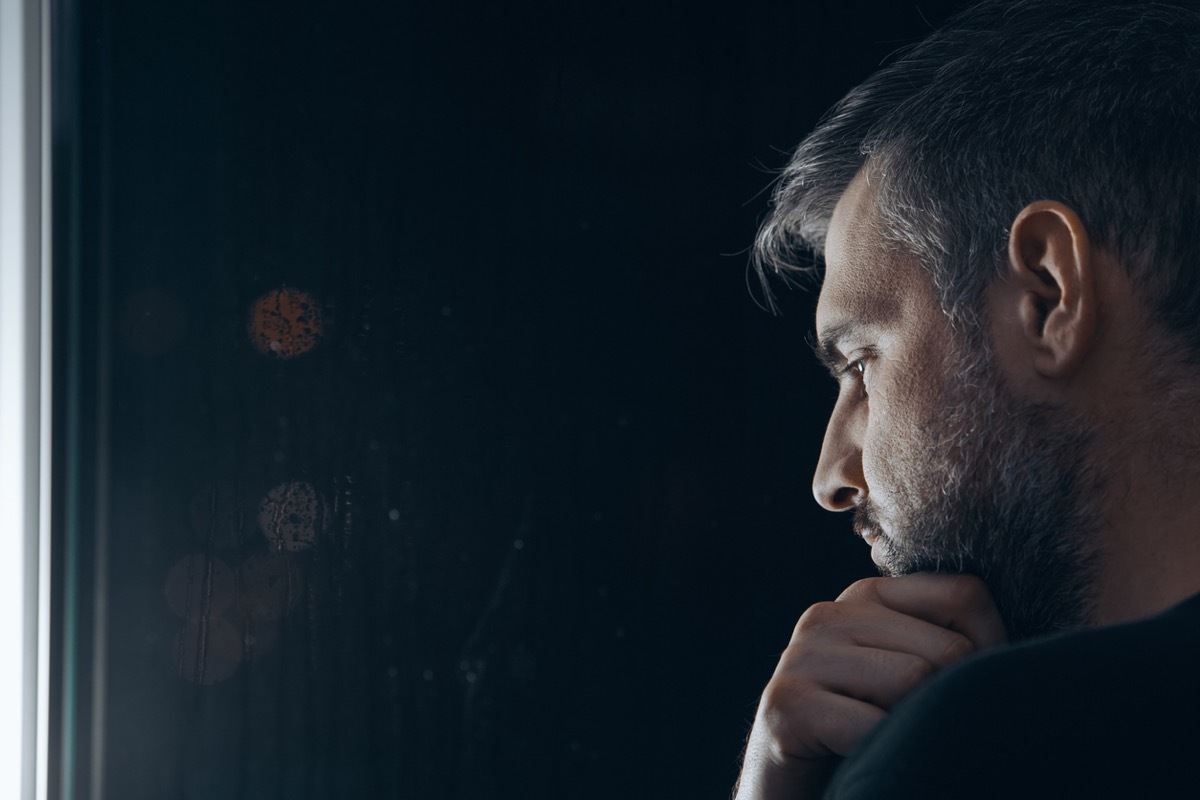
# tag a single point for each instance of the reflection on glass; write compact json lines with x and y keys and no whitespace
{"x":292,"y":515}
{"x":285,"y":323}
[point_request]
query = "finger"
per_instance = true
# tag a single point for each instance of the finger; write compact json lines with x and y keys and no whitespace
{"x":816,"y":724}
{"x":871,"y":624}
{"x":879,"y":677}
{"x":958,"y":602}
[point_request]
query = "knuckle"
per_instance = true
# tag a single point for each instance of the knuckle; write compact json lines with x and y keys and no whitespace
{"x":782,"y":702}
{"x":772,"y":699}
{"x":863,"y":588}
{"x":816,"y":619}
{"x":782,"y":695}
{"x":784,"y":714}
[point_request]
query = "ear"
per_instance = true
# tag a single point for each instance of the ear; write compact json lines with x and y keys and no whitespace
{"x":1052,"y":281}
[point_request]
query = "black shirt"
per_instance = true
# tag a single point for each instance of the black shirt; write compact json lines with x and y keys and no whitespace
{"x":1103,"y":712}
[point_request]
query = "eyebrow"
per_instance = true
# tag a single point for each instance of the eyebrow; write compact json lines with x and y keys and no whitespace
{"x":825,"y":344}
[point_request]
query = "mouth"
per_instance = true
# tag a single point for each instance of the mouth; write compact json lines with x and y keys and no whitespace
{"x":866,"y":525}
{"x":874,"y":539}
{"x":869,"y":533}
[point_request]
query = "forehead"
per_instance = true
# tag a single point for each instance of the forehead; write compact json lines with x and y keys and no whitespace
{"x":867,"y":282}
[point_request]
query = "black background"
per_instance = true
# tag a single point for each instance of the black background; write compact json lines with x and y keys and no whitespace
{"x":564,"y":454}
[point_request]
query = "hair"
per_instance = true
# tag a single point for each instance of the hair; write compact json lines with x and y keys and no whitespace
{"x":1092,"y":103}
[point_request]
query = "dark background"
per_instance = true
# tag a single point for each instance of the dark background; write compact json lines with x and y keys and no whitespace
{"x":561,"y":458}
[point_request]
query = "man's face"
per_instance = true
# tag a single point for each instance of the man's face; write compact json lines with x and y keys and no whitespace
{"x":944,"y":467}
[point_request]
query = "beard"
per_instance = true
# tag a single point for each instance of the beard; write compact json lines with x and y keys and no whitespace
{"x":1006,"y":492}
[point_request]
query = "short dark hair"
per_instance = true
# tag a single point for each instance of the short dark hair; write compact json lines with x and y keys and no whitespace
{"x":1095,"y":104}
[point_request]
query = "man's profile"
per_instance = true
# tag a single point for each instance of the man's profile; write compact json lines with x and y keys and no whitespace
{"x":1008,"y":218}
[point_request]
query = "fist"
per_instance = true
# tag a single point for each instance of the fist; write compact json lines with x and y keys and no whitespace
{"x":850,"y":661}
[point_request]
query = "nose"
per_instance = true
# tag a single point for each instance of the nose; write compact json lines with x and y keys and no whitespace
{"x":839,"y":484}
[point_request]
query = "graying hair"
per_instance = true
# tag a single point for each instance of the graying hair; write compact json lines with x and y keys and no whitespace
{"x":1095,"y":104}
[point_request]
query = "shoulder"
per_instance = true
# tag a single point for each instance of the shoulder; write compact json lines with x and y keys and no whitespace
{"x":1106,"y":710}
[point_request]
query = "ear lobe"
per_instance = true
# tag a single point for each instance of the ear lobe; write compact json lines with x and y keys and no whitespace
{"x":1051,"y":266}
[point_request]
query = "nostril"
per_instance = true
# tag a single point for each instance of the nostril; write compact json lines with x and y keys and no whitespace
{"x":844,"y":497}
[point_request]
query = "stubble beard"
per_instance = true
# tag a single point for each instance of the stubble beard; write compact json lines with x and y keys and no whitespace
{"x":1000,"y":488}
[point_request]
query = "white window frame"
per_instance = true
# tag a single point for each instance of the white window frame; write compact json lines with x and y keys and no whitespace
{"x":24,"y":397}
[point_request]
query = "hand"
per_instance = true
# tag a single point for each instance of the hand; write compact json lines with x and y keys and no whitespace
{"x":848,"y":663}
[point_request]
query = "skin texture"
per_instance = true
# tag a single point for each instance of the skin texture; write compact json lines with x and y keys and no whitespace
{"x":933,"y":445}
{"x":850,"y":661}
{"x":945,"y":466}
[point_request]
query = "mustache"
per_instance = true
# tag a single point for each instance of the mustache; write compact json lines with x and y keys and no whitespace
{"x":902,"y":559}
{"x":866,"y":521}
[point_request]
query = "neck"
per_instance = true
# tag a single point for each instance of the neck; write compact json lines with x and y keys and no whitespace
{"x":1149,"y":557}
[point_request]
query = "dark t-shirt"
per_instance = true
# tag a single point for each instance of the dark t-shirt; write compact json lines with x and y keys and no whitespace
{"x":1105,"y":712}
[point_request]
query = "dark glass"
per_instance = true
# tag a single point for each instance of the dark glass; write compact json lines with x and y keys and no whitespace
{"x":417,"y":432}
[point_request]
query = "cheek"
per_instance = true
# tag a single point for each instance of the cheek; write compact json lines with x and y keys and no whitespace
{"x":895,"y":447}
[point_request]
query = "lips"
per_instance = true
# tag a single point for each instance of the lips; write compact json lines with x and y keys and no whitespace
{"x":872,"y":537}
{"x":866,"y":525}
{"x":868,"y":532}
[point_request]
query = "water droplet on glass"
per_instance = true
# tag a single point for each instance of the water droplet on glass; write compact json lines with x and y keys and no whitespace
{"x":292,"y":515}
{"x":285,"y":323}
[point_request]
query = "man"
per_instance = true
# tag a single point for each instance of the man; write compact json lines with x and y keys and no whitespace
{"x":1009,"y":220}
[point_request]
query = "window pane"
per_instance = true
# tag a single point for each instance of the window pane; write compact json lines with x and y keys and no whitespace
{"x":420,"y":435}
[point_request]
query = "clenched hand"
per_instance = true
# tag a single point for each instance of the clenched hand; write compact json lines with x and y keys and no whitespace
{"x":848,"y":663}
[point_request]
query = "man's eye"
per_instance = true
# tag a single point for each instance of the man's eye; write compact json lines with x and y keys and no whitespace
{"x":858,"y":368}
{"x":853,"y":368}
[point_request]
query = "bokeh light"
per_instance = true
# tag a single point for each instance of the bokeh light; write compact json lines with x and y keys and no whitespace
{"x":292,"y":515}
{"x":285,"y":323}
